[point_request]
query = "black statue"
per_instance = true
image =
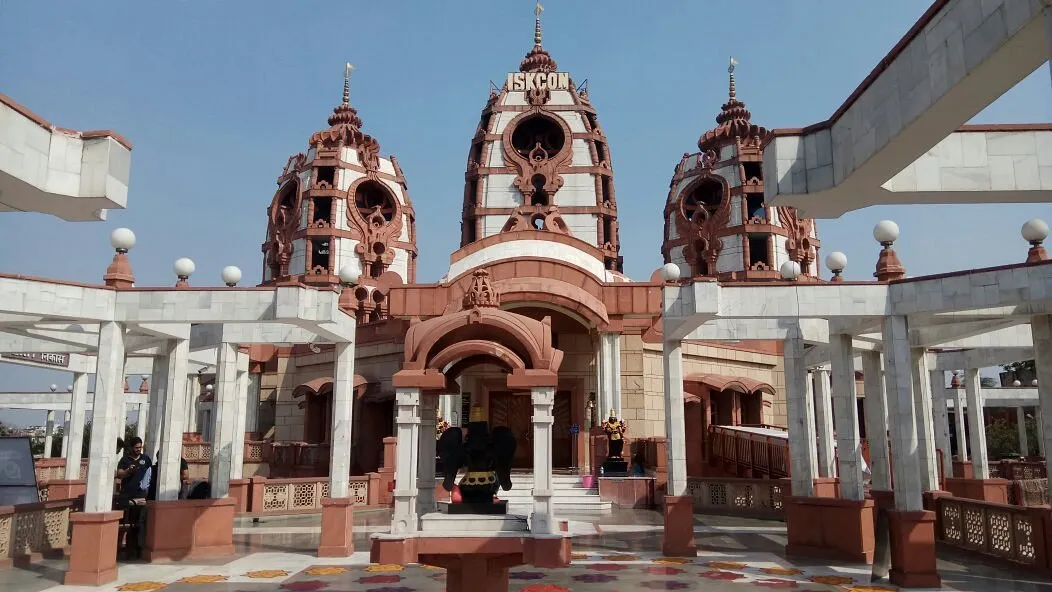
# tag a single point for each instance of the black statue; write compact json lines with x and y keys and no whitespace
{"x":487,"y":456}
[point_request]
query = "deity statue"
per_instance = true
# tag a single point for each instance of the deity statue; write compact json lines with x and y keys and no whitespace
{"x":487,"y":456}
{"x":441,"y":425}
{"x":615,"y":430}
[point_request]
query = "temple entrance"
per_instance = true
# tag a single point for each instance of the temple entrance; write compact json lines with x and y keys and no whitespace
{"x":515,"y":410}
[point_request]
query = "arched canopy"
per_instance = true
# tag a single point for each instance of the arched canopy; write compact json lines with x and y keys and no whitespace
{"x":323,"y":386}
{"x":718,"y":382}
{"x":438,"y":349}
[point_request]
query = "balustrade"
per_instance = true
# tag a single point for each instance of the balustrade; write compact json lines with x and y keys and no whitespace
{"x":1011,"y":533}
{"x":759,"y":498}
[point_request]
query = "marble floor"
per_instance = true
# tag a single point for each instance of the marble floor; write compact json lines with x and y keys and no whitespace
{"x":615,"y":552}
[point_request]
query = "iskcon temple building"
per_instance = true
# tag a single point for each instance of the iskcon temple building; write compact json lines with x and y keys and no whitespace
{"x":841,"y":422}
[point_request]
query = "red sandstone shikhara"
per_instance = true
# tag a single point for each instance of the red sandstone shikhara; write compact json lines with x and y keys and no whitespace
{"x":535,"y":299}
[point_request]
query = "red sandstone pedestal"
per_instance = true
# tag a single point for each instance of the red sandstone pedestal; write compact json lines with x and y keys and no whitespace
{"x":240,"y":493}
{"x":93,"y":550}
{"x":66,"y":490}
{"x":986,"y":490}
{"x":913,"y":549}
{"x":189,"y":529}
{"x":337,"y":527}
{"x":474,"y":564}
{"x":827,"y":487}
{"x":829,"y":528}
{"x":678,"y":537}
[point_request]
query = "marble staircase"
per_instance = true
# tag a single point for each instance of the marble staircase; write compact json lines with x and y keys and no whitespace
{"x":570,"y":498}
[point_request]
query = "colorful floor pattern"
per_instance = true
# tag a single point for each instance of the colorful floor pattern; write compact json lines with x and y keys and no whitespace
{"x":588,"y":572}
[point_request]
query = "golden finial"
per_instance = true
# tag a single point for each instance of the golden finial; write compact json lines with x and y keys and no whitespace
{"x":730,"y":70}
{"x":537,"y":10}
{"x":347,"y":83}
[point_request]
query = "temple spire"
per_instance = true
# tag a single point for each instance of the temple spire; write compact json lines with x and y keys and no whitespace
{"x":537,"y":10}
{"x":730,"y":70}
{"x":347,"y":84}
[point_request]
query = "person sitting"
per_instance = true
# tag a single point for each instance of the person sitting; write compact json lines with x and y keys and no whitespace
{"x":184,"y":480}
{"x":134,"y":474}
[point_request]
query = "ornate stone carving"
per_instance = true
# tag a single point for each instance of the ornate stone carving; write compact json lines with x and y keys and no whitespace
{"x":540,"y":168}
{"x":701,"y":228}
{"x":284,"y":222}
{"x":798,"y":235}
{"x":374,"y":211}
{"x":481,"y":294}
{"x":524,"y":219}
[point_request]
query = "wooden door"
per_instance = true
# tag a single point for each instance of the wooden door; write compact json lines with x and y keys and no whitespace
{"x":562,"y":450}
{"x":514,"y":411}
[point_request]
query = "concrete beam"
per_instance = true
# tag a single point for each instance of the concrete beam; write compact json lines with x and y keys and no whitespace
{"x":961,"y":56}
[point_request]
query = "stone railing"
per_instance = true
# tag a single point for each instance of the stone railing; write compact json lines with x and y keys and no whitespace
{"x":304,"y":495}
{"x":1010,"y":533}
{"x":749,"y":455}
{"x":54,"y":469}
{"x":197,"y":451}
{"x":297,"y":459}
{"x":758,"y":498}
{"x":201,"y":452}
{"x":30,"y":530}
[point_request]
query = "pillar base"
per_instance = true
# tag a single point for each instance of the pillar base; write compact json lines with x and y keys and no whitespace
{"x":93,"y":550}
{"x":827,"y":487}
{"x":240,"y":492}
{"x":986,"y":490}
{"x":66,"y":490}
{"x":189,"y":529}
{"x":913,"y":563}
{"x":337,"y":527}
{"x":678,"y":537}
{"x":833,"y":529}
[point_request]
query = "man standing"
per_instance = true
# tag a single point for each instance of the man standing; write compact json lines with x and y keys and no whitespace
{"x":134,"y":472}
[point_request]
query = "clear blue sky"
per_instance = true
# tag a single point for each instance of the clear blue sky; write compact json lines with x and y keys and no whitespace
{"x":216,"y":96}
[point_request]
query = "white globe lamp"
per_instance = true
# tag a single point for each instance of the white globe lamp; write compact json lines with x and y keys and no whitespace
{"x":790,"y":270}
{"x":349,"y":275}
{"x":122,"y":239}
{"x":231,"y":275}
{"x":836,"y":262}
{"x":886,"y":232}
{"x":670,"y":272}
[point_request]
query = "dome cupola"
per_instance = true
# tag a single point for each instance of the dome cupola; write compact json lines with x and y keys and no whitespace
{"x":716,"y":222}
{"x":339,"y":204}
{"x":539,"y":163}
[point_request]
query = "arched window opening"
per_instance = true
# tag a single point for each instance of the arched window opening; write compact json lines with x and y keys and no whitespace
{"x":540,"y":196}
{"x":703,"y":201}
{"x":322,"y":211}
{"x":372,"y":198}
{"x":320,"y":254}
{"x":758,"y":250}
{"x":538,"y":131}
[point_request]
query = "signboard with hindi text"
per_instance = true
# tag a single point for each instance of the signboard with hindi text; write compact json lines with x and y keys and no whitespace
{"x":18,"y":479}
{"x":51,"y":359}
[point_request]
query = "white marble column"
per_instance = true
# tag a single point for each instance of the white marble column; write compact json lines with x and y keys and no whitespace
{"x":876,"y":405}
{"x":1038,"y":421}
{"x":976,"y":424}
{"x":902,"y":418}
{"x":404,"y":519}
{"x":542,"y":521}
{"x":107,"y":409}
{"x":942,"y":420}
{"x":158,"y":400}
{"x":824,"y":423}
{"x":75,"y":435}
{"x":252,"y":410}
{"x":800,"y":411}
{"x":675,"y":422}
{"x":610,"y":358}
{"x":237,"y":449}
{"x":65,"y":434}
{"x":425,"y":468}
{"x":929,"y":465}
{"x":142,"y":414}
{"x":1024,"y":441}
{"x":342,"y":422}
{"x":193,"y":395}
{"x":224,"y":410}
{"x":1041,"y":330}
{"x":845,"y":405}
{"x":171,"y":405}
{"x":49,"y":434}
{"x":960,"y":401}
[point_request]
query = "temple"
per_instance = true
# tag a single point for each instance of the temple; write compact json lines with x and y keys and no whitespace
{"x":737,"y":379}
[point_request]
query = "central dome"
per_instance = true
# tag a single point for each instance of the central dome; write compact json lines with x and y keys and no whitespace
{"x":540,"y":162}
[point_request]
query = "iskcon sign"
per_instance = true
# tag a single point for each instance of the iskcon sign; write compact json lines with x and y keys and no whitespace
{"x":41,"y":358}
{"x":526,"y":81}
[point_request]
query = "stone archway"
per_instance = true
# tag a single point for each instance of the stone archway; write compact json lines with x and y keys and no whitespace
{"x":439,"y":350}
